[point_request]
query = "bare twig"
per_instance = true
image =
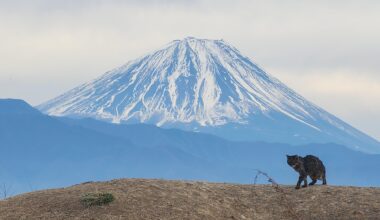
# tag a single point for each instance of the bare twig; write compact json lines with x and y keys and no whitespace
{"x":283,"y":197}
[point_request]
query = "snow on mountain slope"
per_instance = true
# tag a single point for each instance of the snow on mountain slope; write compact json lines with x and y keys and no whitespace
{"x":206,"y":85}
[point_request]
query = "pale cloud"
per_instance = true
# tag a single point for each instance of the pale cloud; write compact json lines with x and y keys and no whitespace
{"x":326,"y":50}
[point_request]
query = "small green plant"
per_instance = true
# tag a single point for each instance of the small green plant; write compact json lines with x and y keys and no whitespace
{"x":97,"y":199}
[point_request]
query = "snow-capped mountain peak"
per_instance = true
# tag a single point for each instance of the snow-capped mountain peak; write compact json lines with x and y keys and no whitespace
{"x":191,"y":80}
{"x":198,"y":84}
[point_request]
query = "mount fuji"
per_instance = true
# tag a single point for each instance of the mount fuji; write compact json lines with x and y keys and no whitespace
{"x":207,"y":86}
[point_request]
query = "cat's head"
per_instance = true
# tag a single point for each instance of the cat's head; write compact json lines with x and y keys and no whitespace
{"x":293,"y":160}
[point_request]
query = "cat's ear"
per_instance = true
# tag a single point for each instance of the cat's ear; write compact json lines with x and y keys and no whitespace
{"x":287,"y":156}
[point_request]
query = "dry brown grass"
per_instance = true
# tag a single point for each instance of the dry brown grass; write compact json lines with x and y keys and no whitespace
{"x":159,"y":199}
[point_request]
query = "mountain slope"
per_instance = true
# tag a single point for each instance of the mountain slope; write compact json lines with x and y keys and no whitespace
{"x":160,"y":199}
{"x":41,"y":152}
{"x":209,"y":86}
{"x":238,"y":160}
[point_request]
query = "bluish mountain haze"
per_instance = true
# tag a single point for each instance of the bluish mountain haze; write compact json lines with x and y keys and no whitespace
{"x":40,"y":151}
{"x":208,"y":86}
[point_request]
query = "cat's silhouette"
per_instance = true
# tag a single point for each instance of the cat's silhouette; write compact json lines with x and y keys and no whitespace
{"x":307,"y":166}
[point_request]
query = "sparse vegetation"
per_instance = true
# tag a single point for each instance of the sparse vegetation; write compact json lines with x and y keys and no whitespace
{"x":97,"y":199}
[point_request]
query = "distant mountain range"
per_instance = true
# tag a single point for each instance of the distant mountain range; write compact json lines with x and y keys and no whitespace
{"x":207,"y":86}
{"x":40,"y":151}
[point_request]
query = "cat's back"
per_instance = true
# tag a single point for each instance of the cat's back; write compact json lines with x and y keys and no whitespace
{"x":311,"y":158}
{"x":312,"y":162}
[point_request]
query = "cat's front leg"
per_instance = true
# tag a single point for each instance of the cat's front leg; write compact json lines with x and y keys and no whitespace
{"x":305,"y":182}
{"x":300,"y":179}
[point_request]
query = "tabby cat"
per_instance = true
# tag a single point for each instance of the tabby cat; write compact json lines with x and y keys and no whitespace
{"x":307,"y":166}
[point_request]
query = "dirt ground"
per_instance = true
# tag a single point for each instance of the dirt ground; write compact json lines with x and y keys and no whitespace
{"x":161,"y":199}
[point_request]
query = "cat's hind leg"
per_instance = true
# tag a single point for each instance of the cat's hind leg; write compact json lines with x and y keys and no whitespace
{"x":324,"y":179}
{"x":314,"y":181}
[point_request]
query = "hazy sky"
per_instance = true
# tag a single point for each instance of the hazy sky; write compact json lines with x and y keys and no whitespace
{"x":328,"y":51}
